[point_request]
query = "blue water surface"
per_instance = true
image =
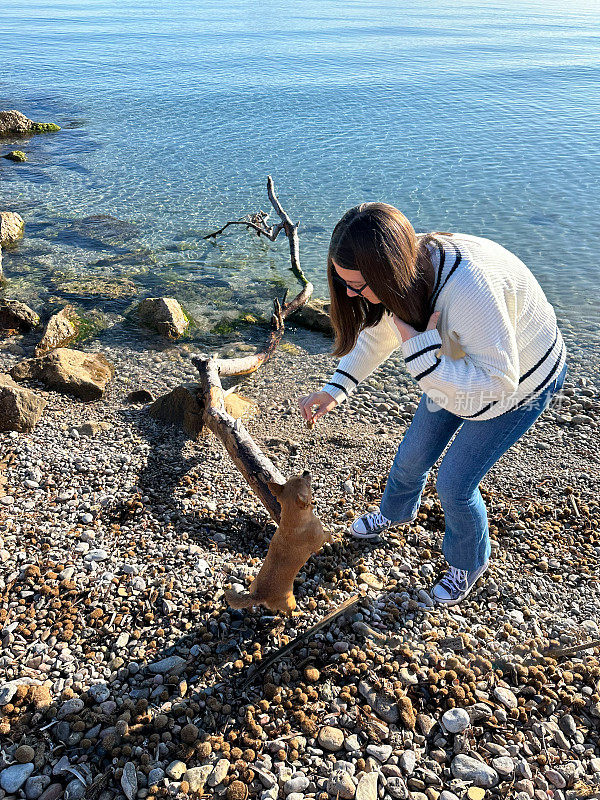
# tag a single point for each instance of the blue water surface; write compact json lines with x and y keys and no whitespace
{"x":480,"y":117}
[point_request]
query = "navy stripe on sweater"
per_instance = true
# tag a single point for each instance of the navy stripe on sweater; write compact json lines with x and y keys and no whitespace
{"x":347,"y":375}
{"x":422,"y":352}
{"x":524,"y":377}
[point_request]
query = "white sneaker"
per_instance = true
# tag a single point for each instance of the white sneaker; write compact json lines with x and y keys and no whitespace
{"x":456,"y":585}
{"x":371,"y":525}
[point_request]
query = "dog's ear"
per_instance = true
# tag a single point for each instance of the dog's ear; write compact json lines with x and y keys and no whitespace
{"x":275,"y":488}
{"x":303,"y":499}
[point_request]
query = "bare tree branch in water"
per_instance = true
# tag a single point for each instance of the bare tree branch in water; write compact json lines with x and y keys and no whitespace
{"x":256,"y":468}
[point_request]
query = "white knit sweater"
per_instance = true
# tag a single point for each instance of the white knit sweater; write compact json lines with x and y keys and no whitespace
{"x":496,"y":346}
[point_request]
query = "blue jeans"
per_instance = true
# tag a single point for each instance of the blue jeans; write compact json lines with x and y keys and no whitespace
{"x":477,"y":446}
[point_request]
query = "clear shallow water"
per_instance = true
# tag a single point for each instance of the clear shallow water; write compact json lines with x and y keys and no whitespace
{"x":482,"y":118}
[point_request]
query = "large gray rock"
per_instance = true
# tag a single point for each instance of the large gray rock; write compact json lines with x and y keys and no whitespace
{"x":7,"y":692}
{"x":164,"y":314}
{"x":14,"y":123}
{"x":35,"y":785}
{"x":84,"y":375}
{"x":61,"y":329}
{"x":470,"y":769}
{"x":72,"y":706}
{"x":11,"y":227}
{"x":456,"y":720}
{"x":218,"y":773}
{"x":505,"y":696}
{"x":397,"y":788}
{"x":20,"y":408}
{"x":15,"y":316}
{"x":314,"y":315}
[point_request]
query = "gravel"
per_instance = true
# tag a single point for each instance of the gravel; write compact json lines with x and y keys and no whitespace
{"x":122,"y":664}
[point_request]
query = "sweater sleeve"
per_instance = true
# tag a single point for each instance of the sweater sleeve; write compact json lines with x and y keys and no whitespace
{"x":372,"y":347}
{"x":485,"y":327}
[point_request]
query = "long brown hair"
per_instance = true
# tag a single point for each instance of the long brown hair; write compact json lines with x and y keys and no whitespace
{"x":378,"y":240}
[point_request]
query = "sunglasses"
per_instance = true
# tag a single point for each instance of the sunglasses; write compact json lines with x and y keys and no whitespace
{"x":342,"y":282}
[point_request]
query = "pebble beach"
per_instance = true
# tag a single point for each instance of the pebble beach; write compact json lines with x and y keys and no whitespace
{"x":123,"y":673}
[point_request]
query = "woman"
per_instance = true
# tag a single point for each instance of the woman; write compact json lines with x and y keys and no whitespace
{"x":480,"y":339}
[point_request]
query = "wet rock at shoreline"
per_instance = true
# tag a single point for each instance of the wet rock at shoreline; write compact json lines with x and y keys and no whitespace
{"x":11,"y":227}
{"x":84,"y":375}
{"x":14,"y":123}
{"x":17,"y":156}
{"x":163,"y":314}
{"x":314,"y":315}
{"x":61,"y":329}
{"x":16,"y":316}
{"x":20,"y":408}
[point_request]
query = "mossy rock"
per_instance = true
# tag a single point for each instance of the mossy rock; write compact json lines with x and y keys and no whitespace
{"x":14,"y":123}
{"x":44,"y":127}
{"x":16,"y":155}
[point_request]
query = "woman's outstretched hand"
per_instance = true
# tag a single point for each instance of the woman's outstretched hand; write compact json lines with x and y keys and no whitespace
{"x":407,"y":331}
{"x":321,"y":401}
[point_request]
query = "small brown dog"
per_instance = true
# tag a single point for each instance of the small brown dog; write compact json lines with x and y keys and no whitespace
{"x":299,"y":535}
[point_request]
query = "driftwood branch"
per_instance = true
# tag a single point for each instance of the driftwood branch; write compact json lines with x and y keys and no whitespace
{"x":256,"y":222}
{"x":256,"y":468}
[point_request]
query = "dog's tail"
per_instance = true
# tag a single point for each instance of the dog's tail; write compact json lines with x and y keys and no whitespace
{"x":239,"y":599}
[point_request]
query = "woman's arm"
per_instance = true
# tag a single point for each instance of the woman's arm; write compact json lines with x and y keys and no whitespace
{"x":372,"y":347}
{"x":484,"y":323}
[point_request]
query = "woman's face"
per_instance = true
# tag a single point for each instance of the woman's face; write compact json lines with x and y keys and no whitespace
{"x":355,"y":281}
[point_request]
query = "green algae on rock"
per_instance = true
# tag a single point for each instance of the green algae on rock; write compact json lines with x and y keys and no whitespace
{"x":16,"y":155}
{"x":14,"y":123}
{"x":45,"y":127}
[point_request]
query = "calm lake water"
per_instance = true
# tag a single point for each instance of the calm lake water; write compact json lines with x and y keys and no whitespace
{"x":472,"y":116}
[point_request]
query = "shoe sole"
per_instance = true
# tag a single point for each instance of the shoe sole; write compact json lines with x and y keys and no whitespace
{"x":448,"y":603}
{"x":391,"y":527}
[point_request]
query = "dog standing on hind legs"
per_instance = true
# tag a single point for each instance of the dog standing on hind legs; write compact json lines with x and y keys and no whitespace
{"x":299,"y":535}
